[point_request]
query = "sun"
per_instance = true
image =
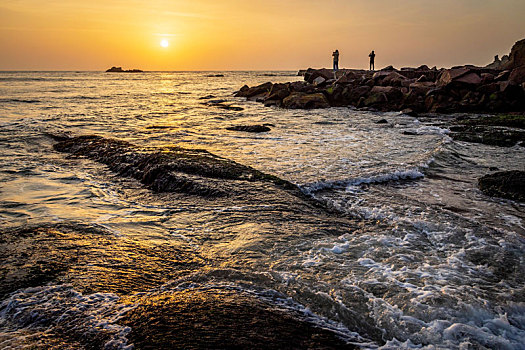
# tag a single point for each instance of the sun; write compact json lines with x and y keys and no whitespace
{"x":164,"y":43}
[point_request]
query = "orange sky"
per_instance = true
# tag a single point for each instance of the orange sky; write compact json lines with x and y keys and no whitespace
{"x":254,"y":35}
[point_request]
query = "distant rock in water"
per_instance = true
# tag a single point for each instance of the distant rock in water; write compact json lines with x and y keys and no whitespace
{"x":120,"y":70}
{"x":505,"y":184}
{"x":249,"y":128}
{"x":215,"y":75}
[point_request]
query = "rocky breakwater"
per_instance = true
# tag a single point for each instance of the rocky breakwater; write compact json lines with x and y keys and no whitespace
{"x":498,"y":87}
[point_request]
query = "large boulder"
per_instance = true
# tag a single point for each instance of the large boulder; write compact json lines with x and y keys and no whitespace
{"x":505,"y":184}
{"x":349,"y":78}
{"x":394,"y":79}
{"x":256,"y":91}
{"x":311,"y":74}
{"x":393,"y":94}
{"x":458,"y":76}
{"x":353,"y":95}
{"x":278,"y":92}
{"x":421,"y":88}
{"x":299,"y":100}
{"x":517,"y":55}
{"x":518,"y":75}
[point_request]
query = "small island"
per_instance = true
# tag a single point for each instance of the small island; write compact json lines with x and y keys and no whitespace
{"x":120,"y":70}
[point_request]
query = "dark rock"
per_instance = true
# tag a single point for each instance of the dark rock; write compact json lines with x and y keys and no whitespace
{"x":120,"y":70}
{"x":517,"y":55}
{"x":382,"y":121}
{"x":505,"y":184}
{"x":299,"y":86}
{"x":388,"y":68}
{"x":494,"y":136}
{"x":375,"y":98}
{"x":502,"y":76}
{"x":278,"y":92}
{"x":356,"y":93}
{"x":312,"y":74}
{"x":299,"y":100}
{"x":229,"y":107}
{"x":393,"y":79}
{"x":215,"y":75}
{"x":392,"y":93}
{"x":410,"y":112}
{"x":348,"y":78}
{"x":255,"y":91}
{"x":459,"y":76}
{"x":507,"y":120}
{"x":269,"y":103}
{"x":421,"y":88}
{"x":518,"y":75}
{"x":487,"y":78}
{"x":488,"y":88}
{"x":249,"y":128}
{"x":211,"y":96}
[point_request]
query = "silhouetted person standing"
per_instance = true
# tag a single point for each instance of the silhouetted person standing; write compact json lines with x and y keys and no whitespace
{"x":336,"y":60}
{"x":372,"y":60}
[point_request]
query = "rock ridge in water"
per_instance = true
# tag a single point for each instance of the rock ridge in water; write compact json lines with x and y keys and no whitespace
{"x":171,"y":169}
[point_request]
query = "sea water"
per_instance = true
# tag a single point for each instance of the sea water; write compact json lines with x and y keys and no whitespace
{"x":428,"y":261}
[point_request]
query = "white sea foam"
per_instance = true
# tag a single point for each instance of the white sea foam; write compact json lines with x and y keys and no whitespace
{"x":33,"y":311}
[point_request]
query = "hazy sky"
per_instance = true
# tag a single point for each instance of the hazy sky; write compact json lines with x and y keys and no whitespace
{"x":254,"y":35}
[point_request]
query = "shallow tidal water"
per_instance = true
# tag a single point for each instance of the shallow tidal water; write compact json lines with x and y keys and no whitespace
{"x":395,"y":247}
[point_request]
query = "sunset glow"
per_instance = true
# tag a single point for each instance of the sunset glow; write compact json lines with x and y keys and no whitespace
{"x":212,"y":35}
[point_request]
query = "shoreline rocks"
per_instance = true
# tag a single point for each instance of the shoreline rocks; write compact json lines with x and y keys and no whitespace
{"x":498,"y":87}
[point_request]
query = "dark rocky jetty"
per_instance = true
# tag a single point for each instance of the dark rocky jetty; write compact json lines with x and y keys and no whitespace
{"x":120,"y":70}
{"x":498,"y":87}
{"x":505,"y":184}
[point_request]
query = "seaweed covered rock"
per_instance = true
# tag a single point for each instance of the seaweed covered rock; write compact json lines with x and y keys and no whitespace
{"x":505,"y":184}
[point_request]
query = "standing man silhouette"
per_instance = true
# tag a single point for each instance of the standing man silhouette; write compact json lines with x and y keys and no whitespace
{"x":372,"y":60}
{"x":336,"y":60}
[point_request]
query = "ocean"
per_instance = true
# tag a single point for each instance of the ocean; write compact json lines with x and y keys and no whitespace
{"x":390,"y":245}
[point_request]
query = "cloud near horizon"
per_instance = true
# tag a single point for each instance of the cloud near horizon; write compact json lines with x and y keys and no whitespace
{"x":245,"y":35}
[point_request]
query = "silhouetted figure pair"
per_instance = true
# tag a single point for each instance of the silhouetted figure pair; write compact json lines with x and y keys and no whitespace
{"x":372,"y":60}
{"x":336,"y":60}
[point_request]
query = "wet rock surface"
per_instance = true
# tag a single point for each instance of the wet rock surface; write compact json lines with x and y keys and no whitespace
{"x":91,"y":259}
{"x":505,"y":184}
{"x":498,"y":87}
{"x":222,"y":318}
